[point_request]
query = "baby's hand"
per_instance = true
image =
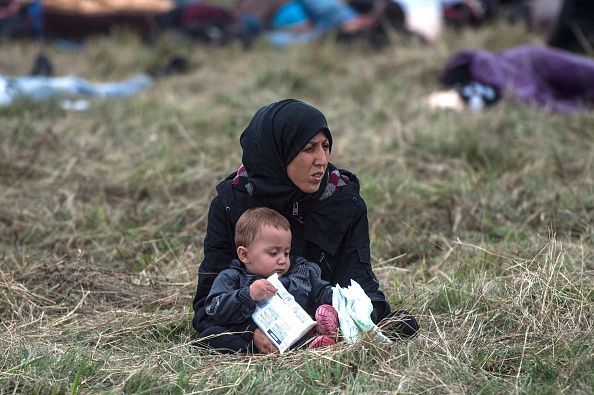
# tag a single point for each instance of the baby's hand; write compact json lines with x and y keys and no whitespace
{"x":261,"y":289}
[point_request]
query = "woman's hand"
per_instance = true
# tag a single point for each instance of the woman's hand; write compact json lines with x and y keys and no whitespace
{"x":262,"y":343}
{"x":261,"y":289}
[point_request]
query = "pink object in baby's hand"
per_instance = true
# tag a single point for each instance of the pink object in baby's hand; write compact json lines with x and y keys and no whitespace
{"x":327,"y":320}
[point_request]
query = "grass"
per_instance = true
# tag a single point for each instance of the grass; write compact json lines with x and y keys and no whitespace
{"x":481,"y":223}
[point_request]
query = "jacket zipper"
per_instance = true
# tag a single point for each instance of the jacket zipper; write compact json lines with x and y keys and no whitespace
{"x":323,"y":259}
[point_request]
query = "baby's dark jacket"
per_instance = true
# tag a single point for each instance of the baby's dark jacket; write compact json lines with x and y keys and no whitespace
{"x":229,"y":301}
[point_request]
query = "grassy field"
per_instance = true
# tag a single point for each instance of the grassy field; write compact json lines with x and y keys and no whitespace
{"x":482,"y":224}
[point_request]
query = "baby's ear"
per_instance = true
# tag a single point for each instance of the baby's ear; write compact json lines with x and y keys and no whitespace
{"x":242,"y":254}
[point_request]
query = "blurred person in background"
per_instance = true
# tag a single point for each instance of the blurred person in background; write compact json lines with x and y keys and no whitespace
{"x":574,"y":27}
{"x":289,"y":22}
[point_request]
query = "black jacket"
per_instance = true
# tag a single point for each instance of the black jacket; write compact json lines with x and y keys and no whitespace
{"x":229,"y":302}
{"x":336,"y":239}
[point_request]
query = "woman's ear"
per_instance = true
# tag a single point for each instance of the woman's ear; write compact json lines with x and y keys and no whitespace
{"x":242,"y":254}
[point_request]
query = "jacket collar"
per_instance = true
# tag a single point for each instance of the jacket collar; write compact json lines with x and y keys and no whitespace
{"x":326,"y":222}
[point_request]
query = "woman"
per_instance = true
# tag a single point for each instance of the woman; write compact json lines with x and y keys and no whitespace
{"x":286,"y":150}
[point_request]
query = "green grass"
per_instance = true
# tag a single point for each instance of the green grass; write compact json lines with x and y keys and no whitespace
{"x":481,"y":224}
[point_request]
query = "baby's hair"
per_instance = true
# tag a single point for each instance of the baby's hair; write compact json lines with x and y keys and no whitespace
{"x":251,"y":221}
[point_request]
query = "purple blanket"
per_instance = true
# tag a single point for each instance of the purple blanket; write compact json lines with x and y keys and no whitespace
{"x":555,"y":79}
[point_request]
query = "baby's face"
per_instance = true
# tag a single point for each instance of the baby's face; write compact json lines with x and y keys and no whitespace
{"x":269,"y":253}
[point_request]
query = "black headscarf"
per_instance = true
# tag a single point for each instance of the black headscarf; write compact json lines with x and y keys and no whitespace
{"x":275,"y":135}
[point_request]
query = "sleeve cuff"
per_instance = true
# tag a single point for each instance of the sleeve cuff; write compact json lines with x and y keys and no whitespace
{"x":245,"y":298}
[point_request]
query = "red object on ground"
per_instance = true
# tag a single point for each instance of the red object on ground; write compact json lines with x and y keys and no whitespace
{"x":322,"y":341}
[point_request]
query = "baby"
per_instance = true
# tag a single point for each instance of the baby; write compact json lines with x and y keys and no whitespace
{"x":263,"y":240}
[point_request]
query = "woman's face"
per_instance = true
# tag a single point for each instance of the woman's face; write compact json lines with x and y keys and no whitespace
{"x":307,"y":169}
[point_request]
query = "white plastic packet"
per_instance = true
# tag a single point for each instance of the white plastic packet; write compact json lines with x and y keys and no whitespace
{"x":354,"y":313}
{"x":348,"y":327}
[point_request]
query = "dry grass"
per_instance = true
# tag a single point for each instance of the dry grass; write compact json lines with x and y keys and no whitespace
{"x":481,"y":224}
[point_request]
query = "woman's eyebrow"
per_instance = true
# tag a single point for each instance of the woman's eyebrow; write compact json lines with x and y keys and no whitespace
{"x":313,"y":142}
